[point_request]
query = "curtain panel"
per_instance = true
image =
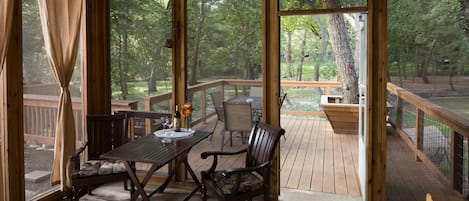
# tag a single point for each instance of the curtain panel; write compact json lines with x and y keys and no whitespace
{"x":6,"y":15}
{"x":60,"y":22}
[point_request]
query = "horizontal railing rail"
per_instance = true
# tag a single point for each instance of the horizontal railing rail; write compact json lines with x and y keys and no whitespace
{"x":40,"y":115}
{"x":199,"y":96}
{"x":437,"y":136}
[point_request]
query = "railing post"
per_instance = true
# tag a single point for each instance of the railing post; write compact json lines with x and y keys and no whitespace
{"x":328,"y":90}
{"x":147,"y":103}
{"x":203,"y":104}
{"x":399,"y":113}
{"x":419,"y":121}
{"x":457,"y":161}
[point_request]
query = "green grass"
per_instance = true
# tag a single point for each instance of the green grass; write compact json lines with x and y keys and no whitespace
{"x":139,"y":90}
{"x":458,"y":105}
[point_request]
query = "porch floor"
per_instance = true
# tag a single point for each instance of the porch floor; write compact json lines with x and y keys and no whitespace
{"x":315,"y":160}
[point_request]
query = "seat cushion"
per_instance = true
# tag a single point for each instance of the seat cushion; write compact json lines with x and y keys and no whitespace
{"x":101,"y":167}
{"x":250,"y":181}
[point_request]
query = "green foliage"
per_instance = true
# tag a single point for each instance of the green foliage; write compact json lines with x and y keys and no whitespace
{"x":413,"y":26}
{"x":327,"y":72}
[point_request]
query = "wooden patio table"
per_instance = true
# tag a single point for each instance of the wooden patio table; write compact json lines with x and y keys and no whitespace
{"x":151,"y":149}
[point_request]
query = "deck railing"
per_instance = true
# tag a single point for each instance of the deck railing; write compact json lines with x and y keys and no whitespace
{"x":199,"y":96}
{"x":437,"y":136}
{"x":40,"y":113}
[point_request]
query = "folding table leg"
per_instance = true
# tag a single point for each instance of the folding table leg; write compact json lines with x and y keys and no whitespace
{"x":137,"y":184}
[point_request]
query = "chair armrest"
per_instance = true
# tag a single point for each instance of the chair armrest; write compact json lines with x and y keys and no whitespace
{"x":75,"y":158}
{"x":215,"y":155}
{"x":206,"y":154}
{"x":232,"y":171}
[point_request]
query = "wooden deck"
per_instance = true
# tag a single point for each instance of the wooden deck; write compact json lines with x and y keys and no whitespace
{"x":313,"y":158}
{"x":407,"y":179}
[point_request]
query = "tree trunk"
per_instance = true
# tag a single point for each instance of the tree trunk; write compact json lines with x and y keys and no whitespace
{"x":342,"y":53}
{"x":289,"y":55}
{"x":198,"y":35}
{"x":299,"y":71}
{"x":154,"y":75}
{"x":323,"y":52}
{"x":427,"y":63}
{"x":125,"y":66}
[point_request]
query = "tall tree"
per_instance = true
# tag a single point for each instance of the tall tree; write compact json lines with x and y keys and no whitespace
{"x":198,"y":37}
{"x":342,"y":53}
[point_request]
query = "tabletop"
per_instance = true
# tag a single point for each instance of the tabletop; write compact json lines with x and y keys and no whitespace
{"x":151,"y":149}
{"x":256,"y":102}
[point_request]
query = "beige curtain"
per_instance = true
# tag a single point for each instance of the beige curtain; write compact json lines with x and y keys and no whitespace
{"x":60,"y":21}
{"x":6,"y":15}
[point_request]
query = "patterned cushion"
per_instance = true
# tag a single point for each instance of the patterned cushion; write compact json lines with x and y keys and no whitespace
{"x":95,"y":167}
{"x":249,"y":181}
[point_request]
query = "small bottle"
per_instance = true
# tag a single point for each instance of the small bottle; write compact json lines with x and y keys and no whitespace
{"x":177,"y":120}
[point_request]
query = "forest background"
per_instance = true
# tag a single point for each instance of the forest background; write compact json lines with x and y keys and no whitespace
{"x":428,"y":45}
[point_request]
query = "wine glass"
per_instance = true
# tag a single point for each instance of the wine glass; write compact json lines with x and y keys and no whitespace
{"x":166,"y":122}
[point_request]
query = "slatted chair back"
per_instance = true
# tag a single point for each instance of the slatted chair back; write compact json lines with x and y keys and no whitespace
{"x":104,"y":133}
{"x":262,"y":143}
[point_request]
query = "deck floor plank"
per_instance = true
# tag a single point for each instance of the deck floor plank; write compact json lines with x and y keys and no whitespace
{"x":340,"y":179}
{"x":317,"y":178}
{"x":291,"y":153}
{"x":307,"y":173}
{"x":329,"y":166}
{"x":350,"y":147}
{"x":297,"y":168}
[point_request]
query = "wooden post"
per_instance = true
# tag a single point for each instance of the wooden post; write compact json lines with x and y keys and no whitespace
{"x":419,"y":125}
{"x":457,"y":161}
{"x":271,"y":81}
{"x":96,"y":59}
{"x":179,"y":64}
{"x":377,"y":93}
{"x":11,"y":88}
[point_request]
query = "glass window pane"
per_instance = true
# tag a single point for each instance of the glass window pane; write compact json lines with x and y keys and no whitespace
{"x":140,"y":62}
{"x":41,"y":98}
{"x":309,"y":5}
{"x":224,"y":41}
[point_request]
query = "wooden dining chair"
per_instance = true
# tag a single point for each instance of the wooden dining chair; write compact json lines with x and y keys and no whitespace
{"x":104,"y":133}
{"x":217,"y":99}
{"x":238,"y":118}
{"x":252,"y":180}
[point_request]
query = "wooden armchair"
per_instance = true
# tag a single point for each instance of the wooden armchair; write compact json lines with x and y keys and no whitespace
{"x":104,"y":133}
{"x":254,"y":179}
